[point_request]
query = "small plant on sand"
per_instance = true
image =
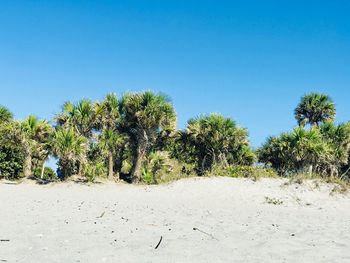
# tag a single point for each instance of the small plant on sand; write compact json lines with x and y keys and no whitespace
{"x":341,"y":185}
{"x":273,"y":201}
{"x":340,"y":189}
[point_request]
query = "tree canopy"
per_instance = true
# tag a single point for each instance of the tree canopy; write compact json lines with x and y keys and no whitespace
{"x":314,"y":109}
{"x":135,"y":137}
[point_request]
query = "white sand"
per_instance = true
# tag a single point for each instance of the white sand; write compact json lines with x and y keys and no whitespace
{"x":60,"y":223}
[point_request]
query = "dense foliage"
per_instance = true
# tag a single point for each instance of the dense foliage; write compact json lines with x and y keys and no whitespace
{"x":321,"y":149}
{"x":11,"y":154}
{"x":11,"y":161}
{"x":215,"y":140}
{"x":315,"y":108}
{"x":135,"y":138}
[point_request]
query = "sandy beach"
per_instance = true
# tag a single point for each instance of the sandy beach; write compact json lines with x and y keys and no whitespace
{"x":192,"y":220}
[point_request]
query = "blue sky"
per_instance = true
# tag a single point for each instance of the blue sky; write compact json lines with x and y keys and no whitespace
{"x":250,"y":60}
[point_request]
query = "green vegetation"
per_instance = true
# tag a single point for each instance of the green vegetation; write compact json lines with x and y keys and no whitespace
{"x":11,"y":154}
{"x":322,"y":149}
{"x":134,"y":138}
{"x":237,"y":171}
{"x":143,"y":118}
{"x":47,"y":174}
{"x":216,"y":140}
{"x":273,"y":201}
{"x":315,"y":108}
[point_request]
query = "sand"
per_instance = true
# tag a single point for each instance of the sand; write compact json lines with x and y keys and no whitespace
{"x":199,"y":220}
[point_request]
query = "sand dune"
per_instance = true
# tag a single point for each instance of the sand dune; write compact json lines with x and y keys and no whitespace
{"x":199,"y":220}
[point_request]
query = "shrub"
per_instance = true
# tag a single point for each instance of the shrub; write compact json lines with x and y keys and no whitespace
{"x":11,"y":162}
{"x":179,"y":170}
{"x":341,"y":185}
{"x":159,"y":168}
{"x":92,"y":170}
{"x":155,"y":164}
{"x":242,"y":171}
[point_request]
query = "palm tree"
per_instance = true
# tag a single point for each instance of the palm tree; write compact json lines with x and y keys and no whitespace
{"x":144,"y":115}
{"x":315,"y":108}
{"x":66,"y":116}
{"x":33,"y":135}
{"x":69,"y":147}
{"x":338,"y":139}
{"x":217,"y":140}
{"x":276,"y":152}
{"x":308,"y":148}
{"x":108,"y":119}
{"x":80,"y":116}
{"x":5,"y":115}
{"x":295,"y":152}
{"x":110,"y":142}
{"x":107,"y":112}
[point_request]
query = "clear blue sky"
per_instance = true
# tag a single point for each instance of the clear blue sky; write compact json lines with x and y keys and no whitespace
{"x":250,"y":60}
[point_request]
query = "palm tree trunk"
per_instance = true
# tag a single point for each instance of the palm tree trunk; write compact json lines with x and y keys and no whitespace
{"x":79,"y":169}
{"x":215,"y":159}
{"x":119,"y":161}
{"x":137,"y":165}
{"x":27,"y":169}
{"x":64,"y":164}
{"x":42,"y":170}
{"x":154,"y":175}
{"x":203,"y":164}
{"x":110,"y":166}
{"x":310,"y":170}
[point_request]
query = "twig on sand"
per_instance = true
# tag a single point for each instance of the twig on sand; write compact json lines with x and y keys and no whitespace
{"x":160,"y":241}
{"x":196,"y":229}
{"x":4,"y":240}
{"x":101,"y":214}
